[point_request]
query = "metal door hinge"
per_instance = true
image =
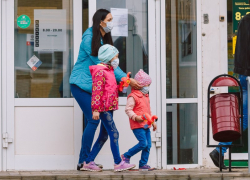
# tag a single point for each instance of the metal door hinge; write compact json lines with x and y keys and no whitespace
{"x":157,"y":139}
{"x":6,"y":140}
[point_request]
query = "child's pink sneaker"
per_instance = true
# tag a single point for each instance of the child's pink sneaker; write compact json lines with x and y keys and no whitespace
{"x":91,"y":166}
{"x":146,"y":168}
{"x":123,"y":166}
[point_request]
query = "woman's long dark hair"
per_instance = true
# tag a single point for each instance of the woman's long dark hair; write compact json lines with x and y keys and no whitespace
{"x":99,"y":16}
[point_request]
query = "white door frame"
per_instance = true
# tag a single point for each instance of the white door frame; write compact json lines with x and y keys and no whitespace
{"x":1,"y":97}
{"x":8,"y":100}
{"x":165,"y":101}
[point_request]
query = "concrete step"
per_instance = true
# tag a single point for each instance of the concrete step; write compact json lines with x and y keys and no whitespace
{"x":193,"y":174}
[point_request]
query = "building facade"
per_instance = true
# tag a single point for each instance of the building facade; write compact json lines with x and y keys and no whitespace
{"x":182,"y":44}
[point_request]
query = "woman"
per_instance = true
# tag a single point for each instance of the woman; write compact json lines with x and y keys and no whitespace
{"x":81,"y":80}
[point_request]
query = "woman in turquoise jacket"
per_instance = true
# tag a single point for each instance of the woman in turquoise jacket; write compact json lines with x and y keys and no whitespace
{"x":81,"y":80}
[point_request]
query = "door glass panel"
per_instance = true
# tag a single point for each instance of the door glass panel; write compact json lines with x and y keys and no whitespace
{"x":181,"y":49}
{"x":85,"y":15}
{"x":133,"y":47}
{"x":43,"y":48}
{"x":182,"y":134}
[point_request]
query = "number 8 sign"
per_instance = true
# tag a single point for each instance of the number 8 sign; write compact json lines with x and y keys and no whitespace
{"x":240,"y":9}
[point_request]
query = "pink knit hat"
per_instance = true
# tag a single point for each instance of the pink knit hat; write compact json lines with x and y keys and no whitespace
{"x":143,"y":78}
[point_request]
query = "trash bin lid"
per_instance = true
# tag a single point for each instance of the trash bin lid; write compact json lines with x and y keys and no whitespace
{"x":225,"y":81}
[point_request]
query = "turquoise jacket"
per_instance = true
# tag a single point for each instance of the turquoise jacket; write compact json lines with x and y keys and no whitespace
{"x":80,"y":75}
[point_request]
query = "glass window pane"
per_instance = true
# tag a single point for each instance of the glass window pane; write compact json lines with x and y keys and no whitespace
{"x":43,"y":48}
{"x":181,"y":49}
{"x":134,"y":47}
{"x":85,"y":15}
{"x":182,"y":133}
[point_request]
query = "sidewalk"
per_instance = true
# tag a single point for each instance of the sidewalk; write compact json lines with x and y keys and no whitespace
{"x":190,"y":174}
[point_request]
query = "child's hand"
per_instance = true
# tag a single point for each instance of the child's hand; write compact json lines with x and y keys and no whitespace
{"x":139,"y":119}
{"x":96,"y":115}
{"x":154,"y":126}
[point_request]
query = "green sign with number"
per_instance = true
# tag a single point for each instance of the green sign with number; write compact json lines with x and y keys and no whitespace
{"x":240,"y":9}
{"x":23,"y":21}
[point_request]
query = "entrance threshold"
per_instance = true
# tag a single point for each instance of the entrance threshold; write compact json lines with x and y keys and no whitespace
{"x":202,"y":174}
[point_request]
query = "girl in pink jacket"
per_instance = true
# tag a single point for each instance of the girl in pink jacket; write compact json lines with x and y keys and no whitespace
{"x":138,"y":104}
{"x":104,"y":101}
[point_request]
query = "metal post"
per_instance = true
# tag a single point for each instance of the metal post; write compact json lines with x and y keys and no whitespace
{"x":220,"y":159}
{"x":248,"y":88}
{"x":230,"y":159}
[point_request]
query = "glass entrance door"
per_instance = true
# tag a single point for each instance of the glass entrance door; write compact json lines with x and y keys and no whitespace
{"x":181,"y":83}
{"x":42,"y":118}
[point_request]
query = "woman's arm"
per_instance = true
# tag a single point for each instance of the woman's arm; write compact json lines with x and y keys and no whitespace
{"x":119,"y":74}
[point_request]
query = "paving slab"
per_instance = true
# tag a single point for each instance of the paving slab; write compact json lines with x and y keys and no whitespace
{"x":189,"y":174}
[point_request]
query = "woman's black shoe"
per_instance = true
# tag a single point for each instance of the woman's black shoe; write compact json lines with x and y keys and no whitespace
{"x":79,"y":166}
{"x":215,"y":158}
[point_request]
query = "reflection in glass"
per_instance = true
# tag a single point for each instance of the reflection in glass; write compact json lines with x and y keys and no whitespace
{"x":85,"y":15}
{"x":133,"y":48}
{"x":51,"y":78}
{"x":182,"y":134}
{"x":181,"y":45}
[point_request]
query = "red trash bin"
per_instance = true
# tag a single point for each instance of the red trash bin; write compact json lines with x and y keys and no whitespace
{"x":225,"y":117}
{"x":225,"y":111}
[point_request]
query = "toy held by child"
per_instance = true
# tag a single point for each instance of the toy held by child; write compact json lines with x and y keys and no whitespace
{"x":104,"y":101}
{"x":137,"y":105}
{"x":150,"y":120}
{"x":125,"y":81}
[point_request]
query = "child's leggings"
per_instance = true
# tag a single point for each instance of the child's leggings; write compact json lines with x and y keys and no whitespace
{"x":144,"y":145}
{"x":108,"y":128}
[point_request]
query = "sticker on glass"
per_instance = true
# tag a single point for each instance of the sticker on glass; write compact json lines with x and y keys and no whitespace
{"x":30,"y":39}
{"x":34,"y":63}
{"x":23,"y":21}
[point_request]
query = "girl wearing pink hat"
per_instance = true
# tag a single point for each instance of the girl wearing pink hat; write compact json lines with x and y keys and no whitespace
{"x":137,"y":104}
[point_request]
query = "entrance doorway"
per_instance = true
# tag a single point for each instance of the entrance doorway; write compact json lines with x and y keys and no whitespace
{"x":181,"y":84}
{"x":135,"y":39}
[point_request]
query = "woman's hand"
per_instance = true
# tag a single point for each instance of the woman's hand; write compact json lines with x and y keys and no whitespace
{"x":96,"y":115}
{"x":139,"y":119}
{"x":154,"y":126}
{"x":134,"y":84}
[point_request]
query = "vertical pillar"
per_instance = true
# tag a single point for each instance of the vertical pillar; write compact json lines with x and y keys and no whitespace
{"x":248,"y":88}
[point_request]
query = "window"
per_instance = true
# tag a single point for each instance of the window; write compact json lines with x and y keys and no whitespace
{"x":182,"y":134}
{"x":43,"y":48}
{"x":181,"y":49}
{"x":133,"y":49}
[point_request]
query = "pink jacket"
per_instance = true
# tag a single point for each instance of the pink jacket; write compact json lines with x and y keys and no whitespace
{"x":141,"y":106}
{"x":104,"y":88}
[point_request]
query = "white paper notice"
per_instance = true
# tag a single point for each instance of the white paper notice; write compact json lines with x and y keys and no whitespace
{"x":120,"y":20}
{"x":50,"y":30}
